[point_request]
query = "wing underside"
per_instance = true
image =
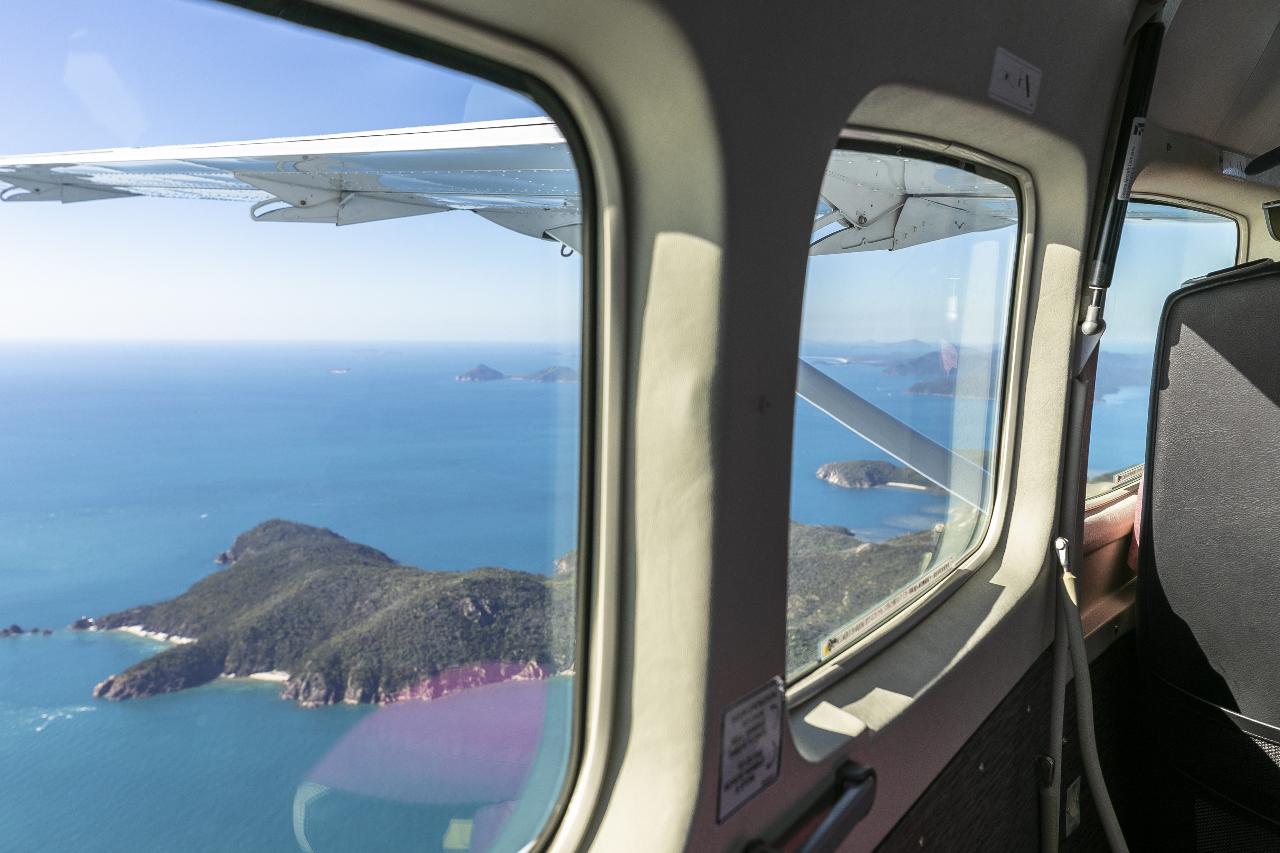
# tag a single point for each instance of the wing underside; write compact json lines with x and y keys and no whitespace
{"x":876,"y":202}
{"x":517,"y":174}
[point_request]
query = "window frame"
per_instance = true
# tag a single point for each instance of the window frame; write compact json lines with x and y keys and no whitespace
{"x":913,"y":611}
{"x":431,"y":36}
{"x":1129,"y":478}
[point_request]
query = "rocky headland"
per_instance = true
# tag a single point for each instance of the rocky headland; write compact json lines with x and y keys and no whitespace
{"x":337,"y":621}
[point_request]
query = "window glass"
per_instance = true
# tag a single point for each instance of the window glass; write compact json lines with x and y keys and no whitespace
{"x":902,"y":352}
{"x":288,"y":511}
{"x":1161,"y":246}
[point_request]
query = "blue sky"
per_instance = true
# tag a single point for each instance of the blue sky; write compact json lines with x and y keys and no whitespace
{"x":955,"y":290}
{"x":105,"y":73}
{"x":92,"y":74}
{"x":1155,"y":257}
{"x":891,"y":296}
{"x":109,"y":73}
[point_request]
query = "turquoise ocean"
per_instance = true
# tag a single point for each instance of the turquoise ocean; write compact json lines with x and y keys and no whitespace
{"x":124,"y":469}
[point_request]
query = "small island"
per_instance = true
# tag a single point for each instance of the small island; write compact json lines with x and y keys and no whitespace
{"x":480,"y":373}
{"x":485,"y":373}
{"x":872,"y":473}
{"x":934,"y":367}
{"x":17,"y":631}
{"x":944,"y":386}
{"x":550,"y":374}
{"x":336,"y":621}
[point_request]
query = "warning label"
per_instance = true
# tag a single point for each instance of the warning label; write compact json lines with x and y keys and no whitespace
{"x":750,"y":747}
{"x":1130,"y":169}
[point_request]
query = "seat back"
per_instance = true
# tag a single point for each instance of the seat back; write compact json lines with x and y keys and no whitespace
{"x":1208,"y":611}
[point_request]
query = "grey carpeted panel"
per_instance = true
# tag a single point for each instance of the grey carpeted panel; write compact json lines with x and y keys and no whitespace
{"x":987,"y":797}
{"x":1116,"y":718}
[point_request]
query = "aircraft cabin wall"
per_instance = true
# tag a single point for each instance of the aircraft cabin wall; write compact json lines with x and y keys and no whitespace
{"x":703,"y":132}
{"x":721,"y":118}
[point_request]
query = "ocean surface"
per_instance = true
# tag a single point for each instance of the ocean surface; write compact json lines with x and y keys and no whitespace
{"x":124,"y":469}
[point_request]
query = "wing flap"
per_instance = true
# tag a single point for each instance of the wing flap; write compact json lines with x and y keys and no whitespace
{"x":873,"y":201}
{"x":519,"y":175}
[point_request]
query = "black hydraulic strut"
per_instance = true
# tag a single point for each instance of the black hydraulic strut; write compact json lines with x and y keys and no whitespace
{"x":1124,"y":164}
{"x":1115,"y":204}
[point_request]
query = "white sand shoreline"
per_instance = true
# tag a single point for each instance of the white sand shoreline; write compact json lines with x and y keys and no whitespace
{"x":277,"y":675}
{"x":141,"y":631}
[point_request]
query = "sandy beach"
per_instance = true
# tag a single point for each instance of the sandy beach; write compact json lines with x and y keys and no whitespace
{"x":140,"y":631}
{"x":270,"y":675}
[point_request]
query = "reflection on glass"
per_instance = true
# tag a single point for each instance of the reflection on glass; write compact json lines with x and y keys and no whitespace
{"x":288,"y":511}
{"x":902,"y":357}
{"x":1161,"y":247}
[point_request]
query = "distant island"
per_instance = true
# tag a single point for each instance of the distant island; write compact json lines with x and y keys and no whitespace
{"x":550,"y":374}
{"x":939,"y":374}
{"x":481,"y":373}
{"x":934,"y":366}
{"x":870,"y":474}
{"x":337,"y":621}
{"x":485,"y":373}
{"x":1118,"y":370}
{"x":16,"y":631}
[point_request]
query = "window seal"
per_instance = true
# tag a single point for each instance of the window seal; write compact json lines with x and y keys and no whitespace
{"x":911,"y":613}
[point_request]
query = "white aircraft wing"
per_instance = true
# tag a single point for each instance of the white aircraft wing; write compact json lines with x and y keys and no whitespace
{"x":518,"y":174}
{"x":879,"y":201}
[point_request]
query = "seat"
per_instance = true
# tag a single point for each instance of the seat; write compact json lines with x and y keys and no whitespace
{"x":1208,"y":606}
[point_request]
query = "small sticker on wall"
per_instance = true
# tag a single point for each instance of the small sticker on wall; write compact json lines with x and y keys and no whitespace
{"x":1014,"y":82}
{"x":750,"y":747}
{"x":1130,"y":169}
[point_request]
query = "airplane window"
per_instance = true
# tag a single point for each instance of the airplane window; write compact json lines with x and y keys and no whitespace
{"x":288,"y":511}
{"x":1161,"y":246}
{"x":902,"y":354}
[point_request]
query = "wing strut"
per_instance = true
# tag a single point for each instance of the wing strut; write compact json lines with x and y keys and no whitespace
{"x":937,"y":464}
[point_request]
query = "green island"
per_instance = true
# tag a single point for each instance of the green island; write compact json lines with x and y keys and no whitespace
{"x":338,"y":621}
{"x":870,"y":474}
{"x":934,"y":378}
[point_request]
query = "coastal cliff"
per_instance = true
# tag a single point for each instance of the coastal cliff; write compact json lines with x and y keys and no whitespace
{"x":343,"y":622}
